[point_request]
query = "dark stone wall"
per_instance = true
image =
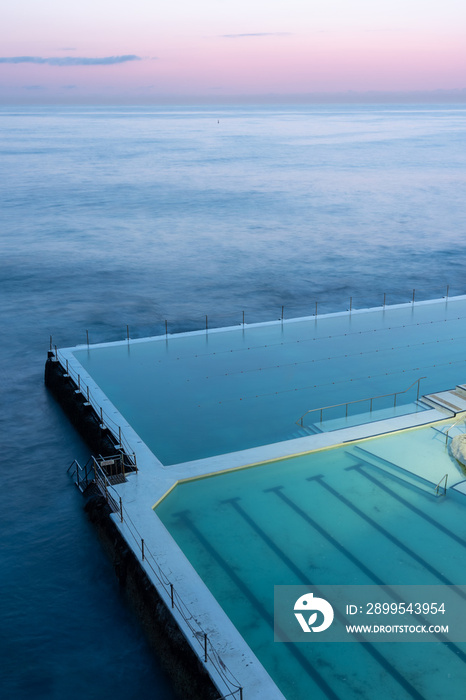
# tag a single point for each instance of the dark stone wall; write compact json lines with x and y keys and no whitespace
{"x":189,"y":677}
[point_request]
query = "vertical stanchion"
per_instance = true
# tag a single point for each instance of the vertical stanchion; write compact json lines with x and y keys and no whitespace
{"x":56,"y":352}
{"x":127,"y":333}
{"x":448,"y":290}
{"x":316,"y":309}
{"x":50,"y":343}
{"x":79,"y":382}
{"x":119,"y":435}
{"x":87,"y":393}
{"x":384,"y":299}
{"x":282,"y":312}
{"x":171,"y":595}
{"x":206,"y":323}
{"x":101,"y":416}
{"x":240,"y":694}
{"x":87,"y":337}
{"x":166,"y":327}
{"x":142,"y":549}
{"x":121,"y":510}
{"x":205,"y":648}
{"x":67,"y":367}
{"x":243,"y":318}
{"x":350,"y":303}
{"x":414,"y":292}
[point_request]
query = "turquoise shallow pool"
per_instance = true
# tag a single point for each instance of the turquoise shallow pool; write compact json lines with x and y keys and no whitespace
{"x":342,"y":516}
{"x":197,"y":395}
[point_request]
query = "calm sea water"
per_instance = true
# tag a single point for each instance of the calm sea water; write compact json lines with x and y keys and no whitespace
{"x":130,"y":216}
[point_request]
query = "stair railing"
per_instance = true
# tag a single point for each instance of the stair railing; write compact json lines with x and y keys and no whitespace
{"x":395,"y":394}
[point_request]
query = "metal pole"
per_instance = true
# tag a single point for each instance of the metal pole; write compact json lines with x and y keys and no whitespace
{"x":205,"y":648}
{"x":79,"y":382}
{"x":87,"y":395}
{"x":394,"y":403}
{"x":171,"y":595}
{"x":127,"y":333}
{"x":370,"y":411}
{"x":67,"y":367}
{"x":51,"y":342}
{"x":142,"y":549}
{"x":282,"y":312}
{"x":316,"y":308}
{"x":414,"y":291}
{"x":384,"y":299}
{"x":350,"y":303}
{"x":101,"y":416}
{"x":206,"y":323}
{"x":119,"y":434}
{"x":121,"y":510}
{"x":56,"y":352}
{"x":243,"y":318}
{"x":448,"y":290}
{"x":87,"y":336}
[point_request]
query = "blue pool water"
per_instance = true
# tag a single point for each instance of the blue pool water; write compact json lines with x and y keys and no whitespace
{"x":199,"y":395}
{"x":340,"y":517}
{"x":117,"y":216}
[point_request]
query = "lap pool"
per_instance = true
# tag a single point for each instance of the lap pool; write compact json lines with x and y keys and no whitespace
{"x":355,"y":515}
{"x":195,"y":395}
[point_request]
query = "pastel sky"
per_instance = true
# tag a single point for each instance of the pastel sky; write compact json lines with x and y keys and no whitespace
{"x":151,"y":50}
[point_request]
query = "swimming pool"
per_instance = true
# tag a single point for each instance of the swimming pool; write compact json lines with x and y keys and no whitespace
{"x":195,"y":395}
{"x":356,"y":514}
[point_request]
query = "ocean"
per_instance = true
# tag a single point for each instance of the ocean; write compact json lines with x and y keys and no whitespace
{"x":123,"y":216}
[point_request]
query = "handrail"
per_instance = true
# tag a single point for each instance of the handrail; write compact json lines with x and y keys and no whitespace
{"x":445,"y":485}
{"x":461,"y":419}
{"x":208,"y":652}
{"x":349,"y":403}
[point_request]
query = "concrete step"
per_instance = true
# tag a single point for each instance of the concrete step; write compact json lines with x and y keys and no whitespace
{"x":449,"y":402}
{"x":395,"y":471}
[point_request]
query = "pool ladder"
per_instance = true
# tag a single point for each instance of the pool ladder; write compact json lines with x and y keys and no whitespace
{"x":439,"y":485}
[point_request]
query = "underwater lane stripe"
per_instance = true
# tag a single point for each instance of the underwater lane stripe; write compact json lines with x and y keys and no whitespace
{"x":370,"y":574}
{"x":359,"y":468}
{"x":367,"y":646}
{"x":315,"y":675}
{"x":388,"y":535}
{"x":441,"y":637}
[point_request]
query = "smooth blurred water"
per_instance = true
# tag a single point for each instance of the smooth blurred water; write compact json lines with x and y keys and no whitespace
{"x":131,"y":216}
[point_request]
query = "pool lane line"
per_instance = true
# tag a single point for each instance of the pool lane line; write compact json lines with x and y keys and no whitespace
{"x":258,"y":605}
{"x":368,"y":646}
{"x":359,"y":468}
{"x":441,"y":637}
{"x":420,"y":560}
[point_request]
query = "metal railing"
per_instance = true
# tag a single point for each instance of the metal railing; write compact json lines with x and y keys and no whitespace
{"x":208,"y":652}
{"x":105,"y":420}
{"x":371,"y":399}
{"x":461,"y":419}
{"x":437,"y":488}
